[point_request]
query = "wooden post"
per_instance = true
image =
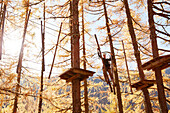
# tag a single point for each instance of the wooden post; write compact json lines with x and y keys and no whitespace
{"x":43,"y":61}
{"x":43,"y":38}
{"x":75,"y":56}
{"x":19,"y":66}
{"x":113,"y":61}
{"x":158,"y":74}
{"x":42,"y":70}
{"x":148,"y":106}
{"x":55,"y":52}
{"x":127,"y":67}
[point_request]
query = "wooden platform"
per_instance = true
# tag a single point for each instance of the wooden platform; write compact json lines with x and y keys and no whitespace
{"x":76,"y":73}
{"x":143,"y":84}
{"x":161,"y":61}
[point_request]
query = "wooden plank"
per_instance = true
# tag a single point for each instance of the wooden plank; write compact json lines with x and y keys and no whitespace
{"x":62,"y":76}
{"x":156,"y":62}
{"x":83,"y":72}
{"x":137,"y":84}
{"x":141,"y":87}
{"x":143,"y":84}
{"x":165,"y":65}
{"x":66,"y":76}
{"x":149,"y":81}
{"x":162,"y":65}
{"x":72,"y":72}
{"x":73,"y":77}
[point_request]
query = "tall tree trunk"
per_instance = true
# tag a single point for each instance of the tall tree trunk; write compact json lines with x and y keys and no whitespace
{"x":42,"y":70}
{"x":1,"y":10}
{"x":2,"y":24}
{"x":43,"y":61}
{"x":84,"y":64}
{"x":158,"y":74}
{"x":20,"y":62}
{"x":75,"y":56}
{"x":113,"y":62}
{"x":147,"y":102}
{"x":71,"y":31}
{"x":1,"y":20}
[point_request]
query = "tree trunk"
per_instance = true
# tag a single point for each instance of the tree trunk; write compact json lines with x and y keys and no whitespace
{"x":1,"y":9}
{"x":147,"y":102}
{"x":75,"y":56}
{"x":42,"y":69}
{"x":20,"y":62}
{"x":2,"y":24}
{"x":158,"y":74}
{"x":56,"y":46}
{"x":71,"y":31}
{"x":43,"y":61}
{"x":113,"y":61}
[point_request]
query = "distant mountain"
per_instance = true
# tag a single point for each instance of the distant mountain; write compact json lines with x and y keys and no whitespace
{"x":167,"y":71}
{"x":97,"y":94}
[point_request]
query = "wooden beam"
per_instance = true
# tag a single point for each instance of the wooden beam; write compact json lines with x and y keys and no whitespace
{"x":141,"y":87}
{"x":84,"y":78}
{"x":70,"y":74}
{"x":143,"y":84}
{"x":83,"y":72}
{"x":56,"y":46}
{"x":73,"y":77}
{"x":155,"y":63}
{"x":149,"y":81}
{"x":72,"y":71}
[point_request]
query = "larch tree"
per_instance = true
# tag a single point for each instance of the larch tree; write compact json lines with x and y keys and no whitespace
{"x":148,"y":106}
{"x":153,"y":37}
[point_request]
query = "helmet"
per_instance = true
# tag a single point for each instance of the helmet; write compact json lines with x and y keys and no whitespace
{"x":104,"y":55}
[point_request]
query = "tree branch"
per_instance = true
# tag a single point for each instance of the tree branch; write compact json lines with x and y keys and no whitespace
{"x":164,"y":50}
{"x":167,"y":34}
{"x":163,"y":15}
{"x":161,"y":3}
{"x":160,"y":9}
{"x":163,"y":38}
